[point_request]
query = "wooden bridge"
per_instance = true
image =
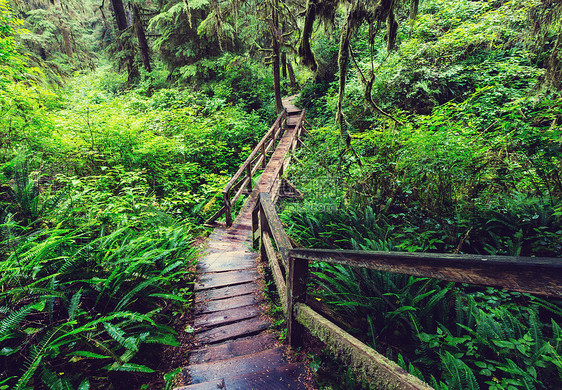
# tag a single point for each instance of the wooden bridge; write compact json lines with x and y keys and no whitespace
{"x":235,"y":349}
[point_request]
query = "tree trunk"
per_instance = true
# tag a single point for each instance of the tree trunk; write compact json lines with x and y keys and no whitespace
{"x":284,"y":65}
{"x":125,"y":42}
{"x":120,"y":16}
{"x":343,"y":62}
{"x":64,"y":31}
{"x":292,"y":78}
{"x":275,"y":36}
{"x":67,"y":41}
{"x":305,"y":52}
{"x":141,"y":36}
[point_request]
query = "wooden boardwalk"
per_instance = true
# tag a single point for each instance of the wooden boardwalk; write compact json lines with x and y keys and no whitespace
{"x":235,"y":349}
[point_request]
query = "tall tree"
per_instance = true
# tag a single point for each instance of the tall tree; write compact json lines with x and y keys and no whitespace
{"x":125,"y":45}
{"x":60,"y":34}
{"x":276,"y":38}
{"x":358,"y":12}
{"x":119,"y":13}
{"x":546,"y":39}
{"x":141,"y":37}
{"x":186,"y":35}
{"x":63,"y":28}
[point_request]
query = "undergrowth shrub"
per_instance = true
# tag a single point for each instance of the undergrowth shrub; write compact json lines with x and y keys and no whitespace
{"x":452,"y":336}
{"x":91,"y":284}
{"x":98,"y":212}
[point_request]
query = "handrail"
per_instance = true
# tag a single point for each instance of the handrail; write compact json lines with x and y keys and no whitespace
{"x":289,"y":267}
{"x":247,"y":171}
{"x":275,"y":184}
{"x":537,"y":275}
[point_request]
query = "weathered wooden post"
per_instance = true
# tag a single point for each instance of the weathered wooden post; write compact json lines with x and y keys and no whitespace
{"x":227,"y":208}
{"x":256,"y":226}
{"x":275,"y":132}
{"x":264,"y":160}
{"x":297,"y":279}
{"x":264,"y":227}
{"x":249,"y":177}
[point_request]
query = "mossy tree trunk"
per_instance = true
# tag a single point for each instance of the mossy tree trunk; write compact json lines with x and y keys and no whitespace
{"x":276,"y":56}
{"x":125,"y":44}
{"x":141,"y":36}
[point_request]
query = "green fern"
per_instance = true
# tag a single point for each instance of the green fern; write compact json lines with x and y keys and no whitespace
{"x":128,"y":367}
{"x":74,"y":303}
{"x":459,"y":375}
{"x":35,"y":358}
{"x":54,"y":382}
{"x":15,"y":318}
{"x":127,"y":297}
{"x":116,"y":333}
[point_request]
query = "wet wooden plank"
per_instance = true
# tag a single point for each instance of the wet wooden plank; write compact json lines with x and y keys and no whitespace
{"x":228,"y":303}
{"x":228,"y":332}
{"x":537,"y":275}
{"x":227,"y":261}
{"x":285,"y":377}
{"x":225,"y":292}
{"x":227,"y":247}
{"x":274,"y":128}
{"x":228,"y":316}
{"x":221,"y":279}
{"x":236,"y":366}
{"x":230,"y":349}
{"x":237,"y":353}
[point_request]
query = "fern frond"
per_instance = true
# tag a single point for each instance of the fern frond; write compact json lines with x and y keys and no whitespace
{"x":34,"y":360}
{"x":85,"y":385}
{"x":128,"y":367}
{"x":74,"y":303}
{"x":116,"y":333}
{"x":459,"y":375}
{"x":135,"y":290}
{"x":15,"y":318}
{"x":53,"y":382}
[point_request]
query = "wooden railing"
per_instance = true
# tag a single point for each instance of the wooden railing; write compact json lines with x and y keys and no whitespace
{"x":274,"y":186}
{"x":542,"y":276}
{"x":241,"y":182}
{"x":289,"y":266}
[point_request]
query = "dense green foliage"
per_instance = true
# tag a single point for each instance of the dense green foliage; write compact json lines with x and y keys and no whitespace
{"x":102,"y":191}
{"x":476,"y":161}
{"x":467,"y":160}
{"x":119,"y":129}
{"x":98,"y":214}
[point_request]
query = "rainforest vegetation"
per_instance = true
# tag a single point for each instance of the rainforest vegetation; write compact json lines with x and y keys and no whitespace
{"x":436,"y":126}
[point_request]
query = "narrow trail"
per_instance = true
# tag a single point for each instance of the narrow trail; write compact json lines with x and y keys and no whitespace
{"x":234,"y":347}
